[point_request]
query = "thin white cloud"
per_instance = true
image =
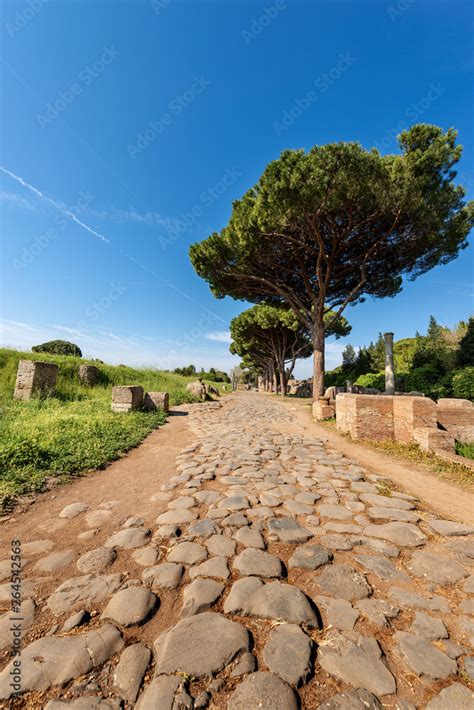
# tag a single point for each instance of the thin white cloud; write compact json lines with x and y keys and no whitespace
{"x":56,"y":205}
{"x":219,"y":336}
{"x":12,"y":199}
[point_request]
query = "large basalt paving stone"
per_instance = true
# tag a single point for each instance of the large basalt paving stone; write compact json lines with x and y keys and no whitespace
{"x":394,"y":514}
{"x":378,"y":611}
{"x":252,"y":562}
{"x":387,"y":501}
{"x":180,"y":516}
{"x":356,"y":660}
{"x":73,"y":509}
{"x":436,"y":568}
{"x":343,"y":582}
{"x":221,"y":546}
{"x":87,"y":591}
{"x":213,"y":567}
{"x":403,"y":534}
{"x":200,"y":595}
{"x":200,"y":645}
{"x":160,"y":694}
{"x":456,"y":697}
{"x":264,"y":691}
{"x":165,"y":576}
{"x":129,"y":539}
{"x":130,"y":606}
{"x":249,"y":537}
{"x":409,"y":599}
{"x":129,"y":672}
{"x":288,"y":654}
{"x":359,"y":699}
{"x":429,"y":627}
{"x":423,"y":658}
{"x":56,"y":660}
{"x":383,"y":568}
{"x":310,"y":557}
{"x":448,"y":528}
{"x":188,"y":553}
{"x":288,"y":530}
{"x":96,"y":560}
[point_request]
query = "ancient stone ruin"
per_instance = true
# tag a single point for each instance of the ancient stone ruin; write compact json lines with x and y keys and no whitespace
{"x":34,"y":377}
{"x":434,"y":426}
{"x":156,"y":400}
{"x":126,"y":398}
{"x":89,"y":374}
{"x":200,"y":390}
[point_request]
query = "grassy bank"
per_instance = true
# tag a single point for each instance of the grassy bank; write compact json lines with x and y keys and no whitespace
{"x":75,"y":431}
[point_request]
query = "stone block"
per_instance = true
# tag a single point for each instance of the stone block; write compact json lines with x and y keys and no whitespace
{"x":410,"y":413}
{"x":126,"y":398}
{"x":431,"y":439}
{"x":365,"y":416}
{"x":35,"y":377}
{"x":323,"y":410}
{"x":457,"y":417}
{"x":157,"y":400}
{"x":89,"y":374}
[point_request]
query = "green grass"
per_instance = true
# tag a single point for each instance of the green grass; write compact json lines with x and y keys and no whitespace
{"x":74,"y":431}
{"x":466,"y":450}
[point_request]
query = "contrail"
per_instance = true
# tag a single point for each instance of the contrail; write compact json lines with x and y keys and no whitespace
{"x":65,"y":211}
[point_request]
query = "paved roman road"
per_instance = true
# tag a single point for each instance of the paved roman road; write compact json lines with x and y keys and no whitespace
{"x":268,"y":572}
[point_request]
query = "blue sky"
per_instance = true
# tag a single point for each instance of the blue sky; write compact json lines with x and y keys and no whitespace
{"x":137,"y":123}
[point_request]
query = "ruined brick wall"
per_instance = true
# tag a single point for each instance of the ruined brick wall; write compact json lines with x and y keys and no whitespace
{"x":365,"y":416}
{"x":410,"y":413}
{"x":127,"y":398}
{"x":457,"y":417}
{"x":35,"y":377}
{"x":430,"y":439}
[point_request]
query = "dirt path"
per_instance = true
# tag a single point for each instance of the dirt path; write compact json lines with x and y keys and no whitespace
{"x":240,"y":559}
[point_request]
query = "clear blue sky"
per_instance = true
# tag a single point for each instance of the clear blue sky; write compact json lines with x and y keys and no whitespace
{"x":144,"y":120}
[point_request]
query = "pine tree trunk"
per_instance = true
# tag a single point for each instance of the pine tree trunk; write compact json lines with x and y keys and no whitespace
{"x":318,"y":359}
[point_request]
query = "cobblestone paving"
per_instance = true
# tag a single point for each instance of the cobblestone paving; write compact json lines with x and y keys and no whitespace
{"x":280,"y":575}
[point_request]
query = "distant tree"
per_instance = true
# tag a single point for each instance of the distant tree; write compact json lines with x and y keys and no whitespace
{"x":376,"y":352}
{"x":325,"y":229}
{"x":465,"y":352}
{"x":58,"y":347}
{"x":349,"y":356}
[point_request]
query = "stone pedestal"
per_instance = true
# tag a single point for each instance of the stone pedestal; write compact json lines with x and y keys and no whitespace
{"x":126,"y":398}
{"x":323,"y":410}
{"x":89,"y":374}
{"x":365,"y":416}
{"x":410,"y":413}
{"x":34,"y":377}
{"x":157,"y":400}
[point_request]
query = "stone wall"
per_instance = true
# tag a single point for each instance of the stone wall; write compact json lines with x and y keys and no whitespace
{"x":89,"y":374}
{"x":365,"y":416}
{"x":127,"y":398}
{"x":410,"y":413}
{"x":157,"y":400}
{"x":457,"y":417}
{"x":429,"y":439}
{"x":34,"y":377}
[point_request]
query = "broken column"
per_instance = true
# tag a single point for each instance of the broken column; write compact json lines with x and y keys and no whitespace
{"x":389,"y":364}
{"x":126,"y":398}
{"x":34,"y":377}
{"x":157,"y":400}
